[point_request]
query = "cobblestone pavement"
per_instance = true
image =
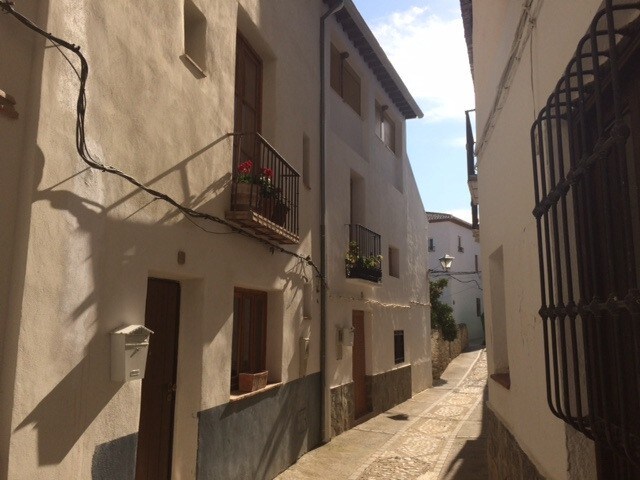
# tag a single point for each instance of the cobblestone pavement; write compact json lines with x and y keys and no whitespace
{"x":436,"y":435}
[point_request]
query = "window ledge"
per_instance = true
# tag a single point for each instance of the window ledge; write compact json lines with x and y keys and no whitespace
{"x":386,"y":146}
{"x":503,"y":379}
{"x":237,"y":395}
{"x":193,"y":66}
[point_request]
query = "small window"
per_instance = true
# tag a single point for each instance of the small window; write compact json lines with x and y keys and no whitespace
{"x":344,"y":80}
{"x":305,"y":162}
{"x":394,"y":262}
{"x":460,"y":248}
{"x":195,"y":36}
{"x":248,"y":353}
{"x":385,"y":127}
{"x":476,"y":262}
{"x":398,"y":346}
{"x":478,"y":307}
{"x":432,"y":245}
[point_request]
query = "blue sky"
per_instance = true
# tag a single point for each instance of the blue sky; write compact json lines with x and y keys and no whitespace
{"x":424,"y":40}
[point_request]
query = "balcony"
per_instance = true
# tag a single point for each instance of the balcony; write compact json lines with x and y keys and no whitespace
{"x":264,"y":191}
{"x":363,"y":259}
{"x":472,"y":169}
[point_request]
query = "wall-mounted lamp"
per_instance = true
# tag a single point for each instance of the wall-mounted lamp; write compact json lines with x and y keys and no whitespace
{"x":446,"y":262}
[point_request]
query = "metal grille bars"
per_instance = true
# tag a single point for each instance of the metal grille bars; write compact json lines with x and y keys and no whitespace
{"x":587,"y":215}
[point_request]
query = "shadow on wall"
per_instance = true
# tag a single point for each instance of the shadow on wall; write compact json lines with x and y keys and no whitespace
{"x":269,"y":432}
{"x":66,"y":412}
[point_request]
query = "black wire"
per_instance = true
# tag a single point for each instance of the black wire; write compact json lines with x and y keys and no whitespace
{"x":187,"y":217}
{"x":446,"y":274}
{"x":86,"y":156}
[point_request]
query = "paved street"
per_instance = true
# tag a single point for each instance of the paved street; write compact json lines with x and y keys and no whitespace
{"x":438,"y":434}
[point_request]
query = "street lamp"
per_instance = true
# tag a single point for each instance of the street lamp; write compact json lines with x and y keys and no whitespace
{"x":446,"y":262}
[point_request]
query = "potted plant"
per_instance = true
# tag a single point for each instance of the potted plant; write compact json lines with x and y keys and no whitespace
{"x":280,"y":211}
{"x":246,"y":190}
{"x":268,"y":192}
{"x":367,"y":267}
{"x":250,"y":382}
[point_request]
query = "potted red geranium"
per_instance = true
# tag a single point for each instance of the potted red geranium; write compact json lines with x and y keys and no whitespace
{"x":246,"y":190}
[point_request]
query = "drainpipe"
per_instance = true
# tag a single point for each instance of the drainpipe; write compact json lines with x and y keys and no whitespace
{"x":323,"y":241}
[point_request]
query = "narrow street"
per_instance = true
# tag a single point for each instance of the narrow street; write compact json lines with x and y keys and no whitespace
{"x":437,"y":434}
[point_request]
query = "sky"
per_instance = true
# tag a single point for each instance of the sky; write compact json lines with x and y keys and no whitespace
{"x":424,"y":39}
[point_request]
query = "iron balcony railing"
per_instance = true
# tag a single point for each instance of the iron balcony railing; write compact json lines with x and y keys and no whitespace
{"x":475,"y":220}
{"x":471,"y":143}
{"x":264,"y":182}
{"x":363,"y":258}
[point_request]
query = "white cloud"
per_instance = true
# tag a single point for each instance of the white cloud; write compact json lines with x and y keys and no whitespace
{"x":461,"y":213}
{"x":457,"y":142}
{"x":430,"y":55}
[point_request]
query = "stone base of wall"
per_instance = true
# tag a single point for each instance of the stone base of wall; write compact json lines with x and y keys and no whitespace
{"x":342,"y":408}
{"x":388,"y":389}
{"x":260,"y":436}
{"x":442,"y":352}
{"x":384,"y":391}
{"x":505,"y":457}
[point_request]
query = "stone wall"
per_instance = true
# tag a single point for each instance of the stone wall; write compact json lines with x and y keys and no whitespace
{"x":342,"y":408}
{"x":505,"y":457}
{"x":442,"y":352}
{"x":390,"y":388}
{"x":384,"y":391}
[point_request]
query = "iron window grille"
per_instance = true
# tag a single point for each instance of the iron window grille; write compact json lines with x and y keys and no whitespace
{"x":586,"y":163}
{"x":398,"y":346}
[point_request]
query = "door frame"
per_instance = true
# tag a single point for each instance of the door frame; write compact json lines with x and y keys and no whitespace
{"x":176,"y":345}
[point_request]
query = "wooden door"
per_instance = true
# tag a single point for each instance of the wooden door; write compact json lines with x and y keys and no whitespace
{"x":155,"y":435}
{"x":358,"y":372}
{"x":248,"y":98}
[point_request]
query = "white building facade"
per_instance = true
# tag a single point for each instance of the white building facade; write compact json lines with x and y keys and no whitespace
{"x":449,"y":235}
{"x":374,"y":208}
{"x":215,"y":107}
{"x":557,"y":162}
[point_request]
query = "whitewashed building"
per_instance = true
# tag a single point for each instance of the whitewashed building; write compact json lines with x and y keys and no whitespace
{"x":558,"y":129}
{"x":215,"y":107}
{"x":374,"y":209}
{"x":450,"y":235}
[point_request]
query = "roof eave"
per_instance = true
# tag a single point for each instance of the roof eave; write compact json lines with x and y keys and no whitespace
{"x":408,"y":106}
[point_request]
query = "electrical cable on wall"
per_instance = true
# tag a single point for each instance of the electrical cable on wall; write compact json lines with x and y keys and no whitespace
{"x":377,"y":303}
{"x":85,"y":154}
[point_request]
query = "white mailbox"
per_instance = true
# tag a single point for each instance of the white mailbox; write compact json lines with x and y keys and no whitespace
{"x":129,"y":347}
{"x":347,"y":336}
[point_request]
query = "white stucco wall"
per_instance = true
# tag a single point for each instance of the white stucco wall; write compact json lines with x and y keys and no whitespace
{"x":506,"y":201}
{"x":84,"y":243}
{"x":392,"y":208}
{"x":462,"y":290}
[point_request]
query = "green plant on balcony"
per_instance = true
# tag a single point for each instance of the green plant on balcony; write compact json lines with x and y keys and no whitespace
{"x":354,"y":261}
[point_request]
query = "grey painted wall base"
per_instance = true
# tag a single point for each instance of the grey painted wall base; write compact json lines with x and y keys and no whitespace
{"x":260,"y":436}
{"x":390,"y":388}
{"x":505,"y":457}
{"x":115,"y":459}
{"x":342,"y":408}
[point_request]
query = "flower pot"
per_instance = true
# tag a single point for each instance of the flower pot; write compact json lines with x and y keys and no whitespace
{"x":246,"y":196}
{"x":280,"y":213}
{"x":267,"y":206}
{"x":250,"y":382}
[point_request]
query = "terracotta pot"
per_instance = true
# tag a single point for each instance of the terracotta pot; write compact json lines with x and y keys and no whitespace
{"x":280,"y":213}
{"x":246,"y":196}
{"x":267,"y":206}
{"x":250,"y":382}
